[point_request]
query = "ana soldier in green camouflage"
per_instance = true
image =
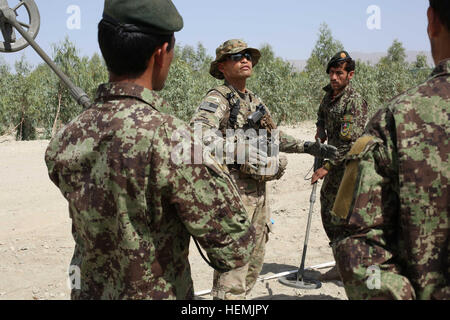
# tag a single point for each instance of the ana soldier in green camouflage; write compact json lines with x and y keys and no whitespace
{"x":342,"y":117}
{"x":133,"y":204}
{"x":227,"y":108}
{"x":395,"y":192}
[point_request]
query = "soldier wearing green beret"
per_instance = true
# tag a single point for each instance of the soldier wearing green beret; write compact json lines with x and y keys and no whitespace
{"x":133,"y":206}
{"x":395,"y":195}
{"x":342,"y":117}
{"x":231,"y":107}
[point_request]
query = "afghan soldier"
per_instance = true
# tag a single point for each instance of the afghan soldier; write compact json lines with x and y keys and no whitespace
{"x":133,"y":205}
{"x":395,"y":192}
{"x":342,"y":118}
{"x":232,"y":107}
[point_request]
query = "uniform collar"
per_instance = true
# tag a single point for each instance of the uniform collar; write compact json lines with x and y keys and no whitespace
{"x":238,"y":92}
{"x":443,"y":68}
{"x":348,"y":89}
{"x":115,"y":90}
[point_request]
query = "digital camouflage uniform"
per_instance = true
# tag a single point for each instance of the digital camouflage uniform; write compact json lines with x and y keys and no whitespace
{"x":395,"y":199}
{"x":133,"y":209}
{"x":214,"y":113}
{"x":343,"y":119}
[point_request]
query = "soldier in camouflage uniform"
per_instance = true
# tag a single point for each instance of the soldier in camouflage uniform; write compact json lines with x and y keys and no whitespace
{"x":228,"y":107}
{"x":395,"y":193}
{"x":133,"y":205}
{"x":342,"y":118}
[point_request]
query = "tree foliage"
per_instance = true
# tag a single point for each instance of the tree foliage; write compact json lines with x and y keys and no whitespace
{"x":34,"y":103}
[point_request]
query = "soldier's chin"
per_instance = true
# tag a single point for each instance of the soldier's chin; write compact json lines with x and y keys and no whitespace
{"x":247,"y":73}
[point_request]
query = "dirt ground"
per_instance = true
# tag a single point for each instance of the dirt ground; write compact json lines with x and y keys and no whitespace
{"x":36,"y":243}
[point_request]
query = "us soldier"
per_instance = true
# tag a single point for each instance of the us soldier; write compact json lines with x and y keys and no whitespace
{"x":342,"y":118}
{"x":232,"y":107}
{"x":133,"y":208}
{"x":395,"y":192}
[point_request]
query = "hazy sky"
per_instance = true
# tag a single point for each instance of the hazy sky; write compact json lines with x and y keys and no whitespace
{"x":290,"y":26}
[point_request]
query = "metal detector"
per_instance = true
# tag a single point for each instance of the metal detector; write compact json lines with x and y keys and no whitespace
{"x":29,"y":30}
{"x":298,"y":280}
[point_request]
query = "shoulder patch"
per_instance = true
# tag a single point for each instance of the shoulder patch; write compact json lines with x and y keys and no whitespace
{"x":209,"y":106}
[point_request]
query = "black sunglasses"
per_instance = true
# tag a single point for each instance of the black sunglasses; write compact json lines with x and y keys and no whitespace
{"x":239,"y":56}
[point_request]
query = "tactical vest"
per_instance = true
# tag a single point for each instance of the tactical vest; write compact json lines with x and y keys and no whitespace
{"x":238,"y":110}
{"x":236,"y":117}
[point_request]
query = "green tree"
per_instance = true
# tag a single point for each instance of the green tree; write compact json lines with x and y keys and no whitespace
{"x":6,"y":87}
{"x":83,"y":72}
{"x":393,"y":75}
{"x":277,"y":83}
{"x":35,"y":98}
{"x":396,"y":54}
{"x":22,"y":108}
{"x":325,"y":48}
{"x":421,"y":62}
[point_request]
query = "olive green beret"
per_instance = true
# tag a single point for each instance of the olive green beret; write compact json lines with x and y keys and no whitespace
{"x":338,"y":57}
{"x":146,"y":16}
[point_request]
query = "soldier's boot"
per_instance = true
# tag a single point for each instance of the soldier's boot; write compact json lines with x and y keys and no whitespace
{"x":331,"y":275}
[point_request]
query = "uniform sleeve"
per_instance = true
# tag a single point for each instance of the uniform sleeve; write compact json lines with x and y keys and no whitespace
{"x":206,"y":123}
{"x":289,"y":144}
{"x":368,"y":200}
{"x":321,"y":118}
{"x":206,"y":200}
{"x":211,"y":111}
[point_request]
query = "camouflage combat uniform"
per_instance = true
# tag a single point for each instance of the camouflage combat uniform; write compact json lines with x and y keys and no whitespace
{"x":395,"y":199}
{"x":214,"y":113}
{"x":133,"y":209}
{"x":343,"y":118}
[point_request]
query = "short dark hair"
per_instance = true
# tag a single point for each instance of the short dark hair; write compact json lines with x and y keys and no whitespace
{"x":442,"y":9}
{"x":350,"y":65}
{"x":127,"y":53}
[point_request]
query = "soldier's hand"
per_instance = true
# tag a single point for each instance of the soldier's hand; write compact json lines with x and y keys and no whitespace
{"x":319,"y":150}
{"x":255,"y":156}
{"x":318,"y":175}
{"x":249,"y":153}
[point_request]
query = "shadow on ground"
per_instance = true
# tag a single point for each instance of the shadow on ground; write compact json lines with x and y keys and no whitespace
{"x":275,"y":268}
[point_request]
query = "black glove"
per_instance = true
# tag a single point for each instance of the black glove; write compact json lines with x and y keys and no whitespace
{"x":319,"y":150}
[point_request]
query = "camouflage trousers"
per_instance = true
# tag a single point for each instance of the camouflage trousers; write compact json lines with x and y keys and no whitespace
{"x":237,"y":283}
{"x":333,"y":225}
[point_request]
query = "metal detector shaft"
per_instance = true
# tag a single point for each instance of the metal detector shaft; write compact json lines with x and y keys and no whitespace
{"x":317,"y":164}
{"x":312,"y":200}
{"x":77,"y":93}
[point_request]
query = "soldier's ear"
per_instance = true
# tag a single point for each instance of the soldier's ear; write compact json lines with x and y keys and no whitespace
{"x":351,"y":74}
{"x":162,"y":56}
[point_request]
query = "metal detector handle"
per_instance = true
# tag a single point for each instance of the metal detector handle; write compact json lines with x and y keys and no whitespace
{"x":318,"y":162}
{"x":77,"y":93}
